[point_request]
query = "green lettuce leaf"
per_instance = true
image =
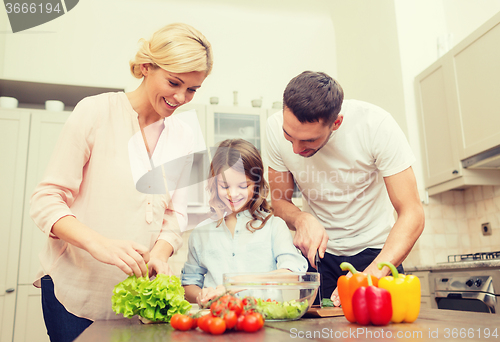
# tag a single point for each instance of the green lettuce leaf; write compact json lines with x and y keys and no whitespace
{"x":156,"y":300}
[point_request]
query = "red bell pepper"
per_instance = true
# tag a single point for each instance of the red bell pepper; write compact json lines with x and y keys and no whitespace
{"x":372,"y":305}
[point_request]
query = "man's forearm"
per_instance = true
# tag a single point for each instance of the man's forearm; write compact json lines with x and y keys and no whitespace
{"x":288,"y":211}
{"x":400,"y":241}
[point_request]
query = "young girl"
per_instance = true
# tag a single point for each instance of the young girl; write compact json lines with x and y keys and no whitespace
{"x":242,"y":235}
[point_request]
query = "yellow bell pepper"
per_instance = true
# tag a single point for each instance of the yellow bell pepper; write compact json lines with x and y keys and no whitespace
{"x":405,"y":294}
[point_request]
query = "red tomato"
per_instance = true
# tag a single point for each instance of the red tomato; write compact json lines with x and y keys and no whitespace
{"x":204,"y":322}
{"x":217,"y":308}
{"x":268,"y":300}
{"x":217,"y":326}
{"x":235,"y":305}
{"x":249,"y":301}
{"x":181,"y":322}
{"x":195,"y":321}
{"x":225,"y":299}
{"x":230,"y":318}
{"x":253,"y":322}
{"x":239,"y":322}
{"x":174,"y":320}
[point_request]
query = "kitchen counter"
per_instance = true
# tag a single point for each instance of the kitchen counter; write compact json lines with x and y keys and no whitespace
{"x":478,"y":264}
{"x":432,"y":325}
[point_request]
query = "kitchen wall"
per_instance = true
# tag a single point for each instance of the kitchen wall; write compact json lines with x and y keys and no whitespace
{"x":453,"y":225}
{"x":258,"y":45}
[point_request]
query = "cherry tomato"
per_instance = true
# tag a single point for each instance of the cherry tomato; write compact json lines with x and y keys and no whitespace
{"x":249,"y":301}
{"x":268,"y":300}
{"x":195,"y":321}
{"x":253,"y":322}
{"x":235,"y":305}
{"x":174,"y":320}
{"x":181,"y":322}
{"x":217,"y":326}
{"x":225,"y":298}
{"x":230,"y":318}
{"x":204,"y":322}
{"x":217,"y":308}
{"x":239,"y":322}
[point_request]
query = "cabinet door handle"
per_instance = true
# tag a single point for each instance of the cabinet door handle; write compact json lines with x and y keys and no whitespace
{"x":10,"y":290}
{"x":455,"y":172}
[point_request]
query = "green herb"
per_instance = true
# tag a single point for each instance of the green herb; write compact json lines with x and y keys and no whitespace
{"x":326,"y":302}
{"x":156,"y":300}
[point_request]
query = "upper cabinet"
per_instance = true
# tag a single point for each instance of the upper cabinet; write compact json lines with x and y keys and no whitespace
{"x":457,"y":102}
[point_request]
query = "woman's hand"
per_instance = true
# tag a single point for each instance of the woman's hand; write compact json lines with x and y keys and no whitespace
{"x":157,"y":266}
{"x":128,"y":256}
{"x":209,"y":293}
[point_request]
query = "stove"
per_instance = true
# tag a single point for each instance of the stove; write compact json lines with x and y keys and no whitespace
{"x":466,"y":288}
{"x":474,"y":257}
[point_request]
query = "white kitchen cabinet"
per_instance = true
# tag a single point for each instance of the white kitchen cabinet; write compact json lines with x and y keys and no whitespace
{"x":457,"y":101}
{"x":475,"y":74}
{"x":30,"y":326}
{"x":28,"y":139}
{"x":14,"y":135}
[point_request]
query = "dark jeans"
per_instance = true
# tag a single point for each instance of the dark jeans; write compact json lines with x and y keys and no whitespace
{"x":62,"y":326}
{"x":330,"y":268}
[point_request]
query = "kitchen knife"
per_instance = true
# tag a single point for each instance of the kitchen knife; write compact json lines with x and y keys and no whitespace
{"x":317,"y":261}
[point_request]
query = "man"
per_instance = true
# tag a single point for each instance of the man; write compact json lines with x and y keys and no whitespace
{"x":352,"y":163}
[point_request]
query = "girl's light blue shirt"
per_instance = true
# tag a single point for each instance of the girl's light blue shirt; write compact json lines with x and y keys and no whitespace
{"x":213,"y":251}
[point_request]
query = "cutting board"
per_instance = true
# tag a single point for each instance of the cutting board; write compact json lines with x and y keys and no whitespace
{"x":324,"y":312}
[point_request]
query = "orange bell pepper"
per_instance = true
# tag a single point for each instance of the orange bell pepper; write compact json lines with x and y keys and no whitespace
{"x":347,"y":287}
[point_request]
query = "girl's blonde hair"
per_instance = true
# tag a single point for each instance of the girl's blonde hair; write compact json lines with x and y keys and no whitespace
{"x":177,"y":48}
{"x":228,"y":153}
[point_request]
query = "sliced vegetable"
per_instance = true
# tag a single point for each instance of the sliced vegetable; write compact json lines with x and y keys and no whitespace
{"x":285,"y":310}
{"x":326,"y":302}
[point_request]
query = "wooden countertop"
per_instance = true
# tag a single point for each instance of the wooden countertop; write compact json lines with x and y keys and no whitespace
{"x":432,"y":325}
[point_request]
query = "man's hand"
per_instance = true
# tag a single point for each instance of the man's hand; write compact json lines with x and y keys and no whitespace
{"x":310,"y":236}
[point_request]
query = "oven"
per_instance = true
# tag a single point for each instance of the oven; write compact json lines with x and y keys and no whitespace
{"x":467,"y":288}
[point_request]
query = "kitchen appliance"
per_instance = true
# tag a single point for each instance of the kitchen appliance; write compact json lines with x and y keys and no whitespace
{"x":475,"y":288}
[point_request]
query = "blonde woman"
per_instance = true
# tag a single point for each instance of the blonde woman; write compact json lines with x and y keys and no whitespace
{"x":100,"y":228}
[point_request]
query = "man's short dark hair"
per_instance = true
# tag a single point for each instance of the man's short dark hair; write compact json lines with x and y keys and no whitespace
{"x":313,"y":97}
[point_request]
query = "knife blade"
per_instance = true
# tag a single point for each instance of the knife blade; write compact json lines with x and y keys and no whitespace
{"x":317,"y":261}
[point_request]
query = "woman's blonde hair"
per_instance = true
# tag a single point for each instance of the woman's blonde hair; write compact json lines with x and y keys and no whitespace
{"x":177,"y":48}
{"x":228,"y":155}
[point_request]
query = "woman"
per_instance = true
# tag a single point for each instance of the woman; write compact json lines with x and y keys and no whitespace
{"x":99,"y":225}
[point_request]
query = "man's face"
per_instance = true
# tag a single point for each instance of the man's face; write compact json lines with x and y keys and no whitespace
{"x":309,"y":137}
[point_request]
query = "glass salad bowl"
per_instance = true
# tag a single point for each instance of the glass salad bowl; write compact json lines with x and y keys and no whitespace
{"x":281,"y":296}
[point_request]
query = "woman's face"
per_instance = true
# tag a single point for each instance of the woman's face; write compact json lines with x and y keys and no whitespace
{"x":235,"y":189}
{"x":167,"y":91}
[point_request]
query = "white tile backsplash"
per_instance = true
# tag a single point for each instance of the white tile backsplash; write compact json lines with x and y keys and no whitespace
{"x":453,"y":225}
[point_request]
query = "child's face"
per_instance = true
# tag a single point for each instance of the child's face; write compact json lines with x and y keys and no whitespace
{"x":235,"y":189}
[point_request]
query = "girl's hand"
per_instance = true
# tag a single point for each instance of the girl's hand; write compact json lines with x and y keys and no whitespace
{"x":209,"y":293}
{"x":128,"y":256}
{"x":157,"y":266}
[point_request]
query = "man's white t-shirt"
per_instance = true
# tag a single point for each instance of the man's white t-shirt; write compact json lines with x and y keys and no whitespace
{"x":343,"y":183}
